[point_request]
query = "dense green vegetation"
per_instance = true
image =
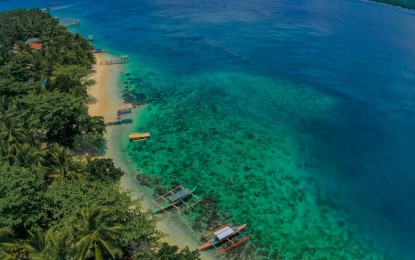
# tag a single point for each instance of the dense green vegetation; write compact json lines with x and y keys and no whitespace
{"x":410,"y":4}
{"x":55,"y":201}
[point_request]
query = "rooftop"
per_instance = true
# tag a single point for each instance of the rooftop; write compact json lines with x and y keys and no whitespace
{"x":224,"y":233}
{"x":36,"y":46}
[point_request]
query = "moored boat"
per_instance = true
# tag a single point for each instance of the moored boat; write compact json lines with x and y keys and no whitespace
{"x":174,"y":199}
{"x":136,"y":137}
{"x":222,"y":235}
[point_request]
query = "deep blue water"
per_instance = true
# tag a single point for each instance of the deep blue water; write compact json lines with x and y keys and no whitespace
{"x":360,"y":54}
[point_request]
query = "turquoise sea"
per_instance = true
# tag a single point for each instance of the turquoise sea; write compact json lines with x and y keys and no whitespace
{"x":295,"y":117}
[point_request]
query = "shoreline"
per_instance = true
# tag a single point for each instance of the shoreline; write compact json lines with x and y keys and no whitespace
{"x":104,"y":97}
{"x":390,"y":5}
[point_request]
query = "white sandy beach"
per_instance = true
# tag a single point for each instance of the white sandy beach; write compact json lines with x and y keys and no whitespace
{"x":105,"y":97}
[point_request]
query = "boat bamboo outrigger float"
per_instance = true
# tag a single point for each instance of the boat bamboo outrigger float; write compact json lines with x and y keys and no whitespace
{"x":224,"y":238}
{"x":175,"y":198}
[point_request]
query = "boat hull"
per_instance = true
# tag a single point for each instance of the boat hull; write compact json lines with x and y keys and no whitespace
{"x":205,"y":246}
{"x":163,"y":207}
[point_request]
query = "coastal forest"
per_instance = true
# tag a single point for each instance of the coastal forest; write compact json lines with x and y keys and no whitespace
{"x":57,"y":199}
{"x":409,"y":4}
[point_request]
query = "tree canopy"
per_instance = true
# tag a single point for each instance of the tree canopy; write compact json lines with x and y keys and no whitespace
{"x":49,"y":85}
{"x":56,"y":202}
{"x":22,"y":196}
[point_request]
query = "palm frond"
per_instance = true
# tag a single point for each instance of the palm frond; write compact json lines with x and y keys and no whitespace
{"x":82,"y":247}
{"x":107,"y":246}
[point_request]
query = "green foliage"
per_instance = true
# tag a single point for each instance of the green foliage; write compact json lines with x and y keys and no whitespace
{"x":410,"y":4}
{"x":168,"y":252}
{"x":66,"y":199}
{"x":71,"y":79}
{"x":7,"y":242}
{"x":95,"y":232}
{"x":22,"y":194}
{"x":52,"y":244}
{"x":25,"y":155}
{"x":90,"y":136}
{"x":54,"y":211}
{"x":60,"y":46}
{"x":64,"y":119}
{"x":9,"y":87}
{"x":62,"y":165}
{"x":56,"y":76}
{"x":24,"y":66}
{"x":37,"y":240}
{"x":54,"y":113}
{"x":11,"y":130}
{"x":103,"y":170}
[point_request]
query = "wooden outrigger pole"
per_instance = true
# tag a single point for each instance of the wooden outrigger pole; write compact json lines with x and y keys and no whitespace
{"x":213,"y":231}
{"x":233,"y":245}
{"x":174,"y":198}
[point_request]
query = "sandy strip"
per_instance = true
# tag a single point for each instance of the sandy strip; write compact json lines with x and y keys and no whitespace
{"x":104,"y":97}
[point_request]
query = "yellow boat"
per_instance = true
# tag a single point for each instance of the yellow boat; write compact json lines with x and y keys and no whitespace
{"x":136,"y":137}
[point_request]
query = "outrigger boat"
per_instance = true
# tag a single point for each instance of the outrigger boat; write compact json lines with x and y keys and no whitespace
{"x":174,"y":199}
{"x":225,"y":236}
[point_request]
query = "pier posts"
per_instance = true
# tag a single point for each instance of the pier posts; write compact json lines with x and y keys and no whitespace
{"x":122,"y":59}
{"x":76,"y":23}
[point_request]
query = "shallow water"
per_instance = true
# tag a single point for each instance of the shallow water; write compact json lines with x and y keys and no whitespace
{"x":295,"y":118}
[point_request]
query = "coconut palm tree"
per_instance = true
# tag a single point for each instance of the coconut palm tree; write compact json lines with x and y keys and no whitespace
{"x":62,"y":164}
{"x":11,"y":131}
{"x":37,"y":240}
{"x":4,"y":105}
{"x":26,"y":155}
{"x":95,"y":232}
{"x":7,"y":243}
{"x":6,"y":152}
{"x":52,"y":243}
{"x":58,"y":242}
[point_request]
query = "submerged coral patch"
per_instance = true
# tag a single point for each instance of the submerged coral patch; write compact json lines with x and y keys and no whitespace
{"x":245,"y":145}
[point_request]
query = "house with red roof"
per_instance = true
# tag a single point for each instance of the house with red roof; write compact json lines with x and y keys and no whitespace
{"x":36,"y":46}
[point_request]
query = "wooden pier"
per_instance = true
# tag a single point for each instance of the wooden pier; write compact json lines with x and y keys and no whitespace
{"x":124,"y":115}
{"x":122,"y":59}
{"x":118,"y":121}
{"x":72,"y":23}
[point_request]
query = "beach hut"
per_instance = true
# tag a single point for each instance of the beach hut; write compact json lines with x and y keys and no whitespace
{"x":124,"y":109}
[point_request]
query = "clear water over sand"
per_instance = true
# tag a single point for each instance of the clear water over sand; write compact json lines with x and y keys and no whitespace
{"x":296,"y":118}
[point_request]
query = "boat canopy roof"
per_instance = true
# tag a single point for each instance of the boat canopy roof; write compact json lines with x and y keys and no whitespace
{"x":224,"y":232}
{"x":179,"y":195}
